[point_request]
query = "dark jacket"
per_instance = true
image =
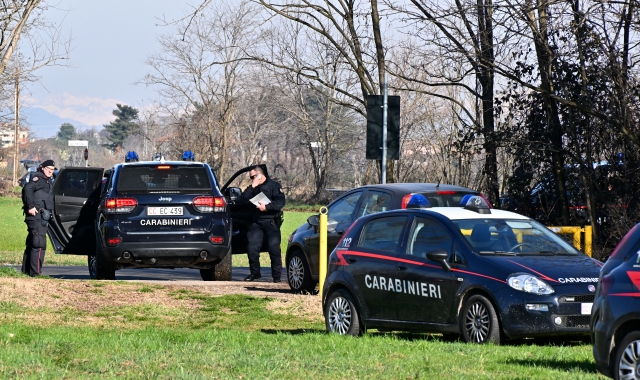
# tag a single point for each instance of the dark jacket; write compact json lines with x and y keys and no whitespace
{"x":38,"y":193}
{"x":273,"y":191}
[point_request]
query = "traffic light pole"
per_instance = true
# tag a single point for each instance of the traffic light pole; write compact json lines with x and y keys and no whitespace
{"x":384,"y":130}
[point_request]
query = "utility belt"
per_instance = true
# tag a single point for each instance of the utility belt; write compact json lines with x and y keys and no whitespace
{"x":45,"y":216}
{"x":278,"y":218}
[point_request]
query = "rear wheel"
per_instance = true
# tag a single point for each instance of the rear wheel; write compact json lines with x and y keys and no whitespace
{"x":626,"y":362}
{"x":479,"y":321}
{"x":298,"y":273}
{"x":220,"y":271}
{"x":341,"y":315}
{"x":99,"y":267}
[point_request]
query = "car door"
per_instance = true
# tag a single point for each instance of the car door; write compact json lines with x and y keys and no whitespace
{"x":430,"y":292}
{"x":241,"y":212}
{"x":341,"y":214}
{"x":76,"y":194}
{"x":373,"y":265}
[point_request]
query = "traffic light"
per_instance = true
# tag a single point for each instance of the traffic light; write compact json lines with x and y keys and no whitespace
{"x":374,"y":127}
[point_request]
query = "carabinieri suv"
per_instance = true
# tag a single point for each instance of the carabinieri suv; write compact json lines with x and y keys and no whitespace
{"x":149,"y":215}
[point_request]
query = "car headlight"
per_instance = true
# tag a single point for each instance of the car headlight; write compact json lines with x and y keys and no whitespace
{"x":530,"y":284}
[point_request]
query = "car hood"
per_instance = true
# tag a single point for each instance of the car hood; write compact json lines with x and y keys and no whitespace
{"x":554,"y":269}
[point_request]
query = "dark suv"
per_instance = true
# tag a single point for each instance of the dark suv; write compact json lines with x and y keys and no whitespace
{"x":302,"y":259}
{"x":149,"y":215}
{"x":615,"y":318}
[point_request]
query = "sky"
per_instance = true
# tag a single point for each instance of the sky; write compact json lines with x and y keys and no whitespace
{"x":110,"y":42}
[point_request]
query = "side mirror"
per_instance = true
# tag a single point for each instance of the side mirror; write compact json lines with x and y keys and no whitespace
{"x":314,"y":221}
{"x":232,"y":193}
{"x":440,"y":255}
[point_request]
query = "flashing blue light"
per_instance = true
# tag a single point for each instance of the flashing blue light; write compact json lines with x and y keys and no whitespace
{"x":478,"y":204}
{"x":465,"y":199}
{"x":188,"y":156}
{"x":131,"y":156}
{"x":418,"y":201}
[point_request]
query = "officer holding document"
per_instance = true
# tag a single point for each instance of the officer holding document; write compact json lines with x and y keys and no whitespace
{"x":268,"y":197}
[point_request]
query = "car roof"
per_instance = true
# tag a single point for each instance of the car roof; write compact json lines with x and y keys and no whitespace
{"x":418,"y":187}
{"x":458,"y":213}
{"x":156,"y":163}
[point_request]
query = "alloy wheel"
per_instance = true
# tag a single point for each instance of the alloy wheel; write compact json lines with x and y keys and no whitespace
{"x":340,"y":315}
{"x":477,"y":322}
{"x":629,"y":366}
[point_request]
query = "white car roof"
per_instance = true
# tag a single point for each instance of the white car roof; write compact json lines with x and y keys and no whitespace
{"x":458,"y":213}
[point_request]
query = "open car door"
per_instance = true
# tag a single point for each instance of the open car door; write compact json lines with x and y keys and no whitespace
{"x":241,"y":212}
{"x":76,"y":194}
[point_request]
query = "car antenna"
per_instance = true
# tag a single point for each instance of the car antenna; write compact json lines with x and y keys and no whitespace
{"x":438,"y":185}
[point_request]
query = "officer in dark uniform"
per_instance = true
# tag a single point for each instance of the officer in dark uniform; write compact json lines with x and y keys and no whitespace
{"x":37,"y":203}
{"x":264,"y":223}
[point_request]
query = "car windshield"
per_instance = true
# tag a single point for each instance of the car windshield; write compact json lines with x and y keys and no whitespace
{"x":513,"y":237}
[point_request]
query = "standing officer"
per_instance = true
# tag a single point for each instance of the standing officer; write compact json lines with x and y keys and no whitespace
{"x":264,"y":223}
{"x":37,"y":203}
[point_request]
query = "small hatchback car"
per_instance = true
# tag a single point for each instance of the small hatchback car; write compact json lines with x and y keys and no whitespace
{"x":302,"y":251}
{"x":479,"y":273}
{"x":149,"y":215}
{"x":615,"y":322}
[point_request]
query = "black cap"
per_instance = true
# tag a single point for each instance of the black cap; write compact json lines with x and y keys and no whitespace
{"x":48,"y":163}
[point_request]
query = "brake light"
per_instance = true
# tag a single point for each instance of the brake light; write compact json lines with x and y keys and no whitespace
{"x":164,"y":167}
{"x":607,"y":283}
{"x":449,"y":192}
{"x":209,"y":204}
{"x":216,"y":239}
{"x":113,"y":241}
{"x":120,"y":205}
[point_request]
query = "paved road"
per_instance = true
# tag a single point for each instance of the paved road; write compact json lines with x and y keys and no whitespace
{"x":180,"y":274}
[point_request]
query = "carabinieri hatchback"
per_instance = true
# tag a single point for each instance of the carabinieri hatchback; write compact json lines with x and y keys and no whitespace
{"x":482,"y":274}
{"x":615,"y":323}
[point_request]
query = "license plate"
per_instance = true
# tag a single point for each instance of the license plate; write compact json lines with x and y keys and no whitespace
{"x":586,"y":308}
{"x":161,"y":211}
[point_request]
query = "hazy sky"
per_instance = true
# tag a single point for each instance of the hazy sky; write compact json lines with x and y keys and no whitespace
{"x":111,"y":40}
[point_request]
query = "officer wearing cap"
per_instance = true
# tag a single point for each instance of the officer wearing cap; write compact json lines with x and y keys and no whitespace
{"x":37,"y":204}
{"x":265,"y":225}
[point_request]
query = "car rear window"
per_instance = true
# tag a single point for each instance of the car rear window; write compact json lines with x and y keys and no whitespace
{"x":153,"y":179}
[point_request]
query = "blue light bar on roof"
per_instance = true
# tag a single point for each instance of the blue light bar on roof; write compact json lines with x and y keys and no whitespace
{"x":418,"y":201}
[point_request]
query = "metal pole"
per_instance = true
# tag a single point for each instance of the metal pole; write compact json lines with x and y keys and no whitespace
{"x":17,"y":129}
{"x":384,"y":130}
{"x":324,"y":212}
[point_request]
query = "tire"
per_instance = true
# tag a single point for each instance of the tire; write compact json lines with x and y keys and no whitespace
{"x":626,"y":359}
{"x":99,"y":267}
{"x":478,"y":321}
{"x":298,"y":273}
{"x":341,"y":314}
{"x":220,"y":271}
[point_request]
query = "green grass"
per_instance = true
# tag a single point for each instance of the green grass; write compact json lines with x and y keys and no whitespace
{"x":236,"y":336}
{"x":13,"y":233}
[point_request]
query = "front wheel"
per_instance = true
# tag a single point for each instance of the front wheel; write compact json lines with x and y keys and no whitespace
{"x":479,"y":322}
{"x":341,"y":315}
{"x":298,"y":273}
{"x":626,"y":362}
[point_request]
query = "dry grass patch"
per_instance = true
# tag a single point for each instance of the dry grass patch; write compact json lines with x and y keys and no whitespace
{"x":307,"y":307}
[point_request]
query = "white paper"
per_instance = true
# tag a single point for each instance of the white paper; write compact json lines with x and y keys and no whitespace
{"x":260,"y":198}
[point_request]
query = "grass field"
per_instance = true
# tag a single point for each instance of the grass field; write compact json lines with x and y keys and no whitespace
{"x":13,"y":232}
{"x":238,"y":336}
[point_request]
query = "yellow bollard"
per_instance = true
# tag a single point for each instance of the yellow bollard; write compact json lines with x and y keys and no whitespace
{"x":323,"y":248}
{"x":588,"y":240}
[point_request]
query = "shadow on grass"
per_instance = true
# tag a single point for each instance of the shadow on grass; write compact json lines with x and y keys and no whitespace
{"x":293,"y":331}
{"x":586,"y":366}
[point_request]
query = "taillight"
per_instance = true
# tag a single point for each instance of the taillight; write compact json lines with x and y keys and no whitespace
{"x":607,"y":283}
{"x":113,"y":241}
{"x":209,"y":204}
{"x":120,"y":205}
{"x":216,"y":239}
{"x":448,"y":192}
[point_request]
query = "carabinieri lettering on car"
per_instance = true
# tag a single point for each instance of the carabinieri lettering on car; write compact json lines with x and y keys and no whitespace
{"x":165,"y":222}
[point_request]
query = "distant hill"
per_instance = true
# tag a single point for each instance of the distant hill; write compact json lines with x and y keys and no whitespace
{"x":44,"y":124}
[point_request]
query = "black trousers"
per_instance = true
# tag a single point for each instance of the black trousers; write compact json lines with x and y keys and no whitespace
{"x":36,"y":245}
{"x":264,"y":229}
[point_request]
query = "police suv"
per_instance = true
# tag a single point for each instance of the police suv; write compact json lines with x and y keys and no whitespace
{"x":474,"y":272}
{"x":153,"y":214}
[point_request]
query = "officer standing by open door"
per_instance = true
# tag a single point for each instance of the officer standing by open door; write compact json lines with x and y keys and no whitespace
{"x":37,"y":203}
{"x":268,"y":197}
